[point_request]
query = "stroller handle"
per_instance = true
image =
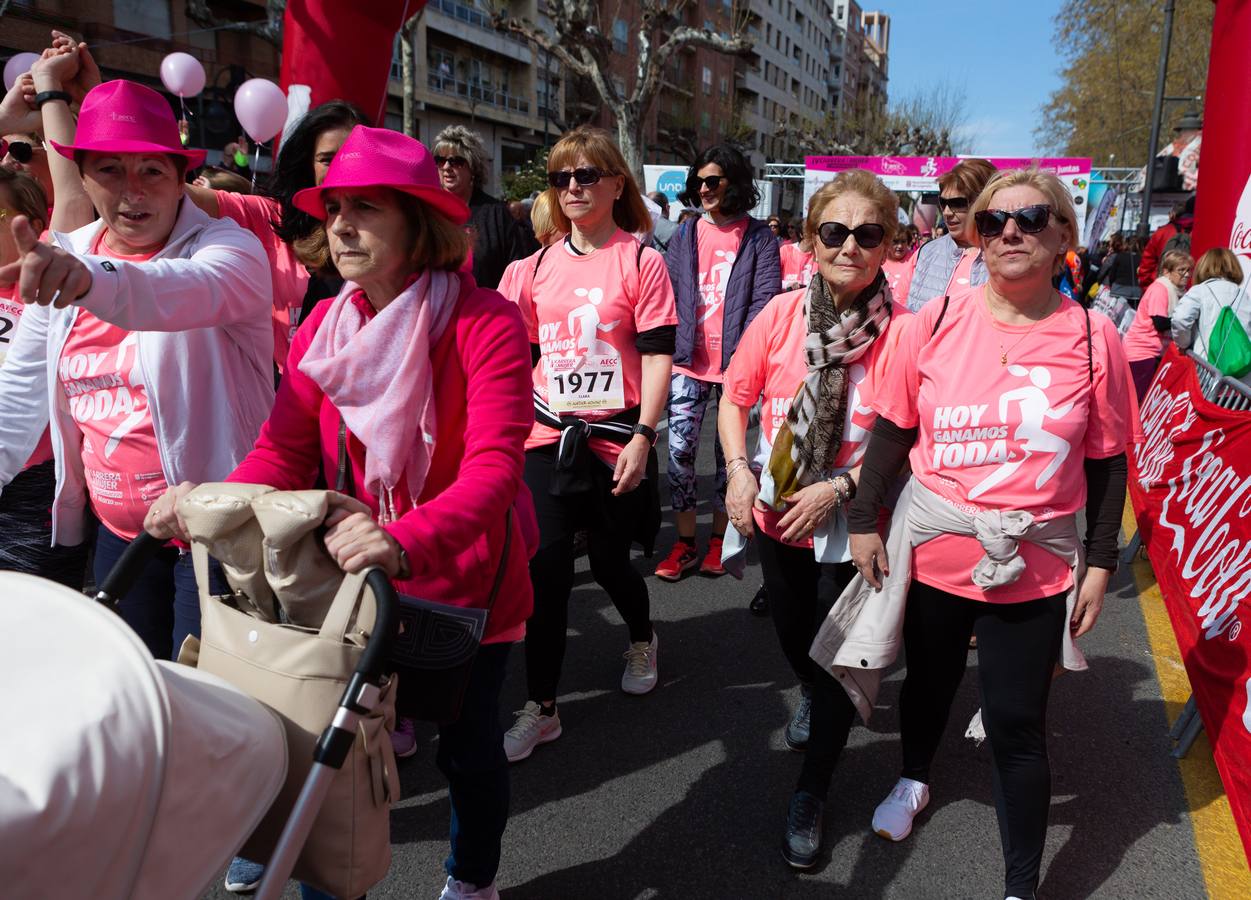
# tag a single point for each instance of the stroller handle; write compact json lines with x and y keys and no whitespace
{"x":373,"y":661}
{"x":129,"y":567}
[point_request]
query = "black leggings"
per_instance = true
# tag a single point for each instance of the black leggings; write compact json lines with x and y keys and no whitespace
{"x":610,"y":524}
{"x":1018,"y":645}
{"x":801,"y":592}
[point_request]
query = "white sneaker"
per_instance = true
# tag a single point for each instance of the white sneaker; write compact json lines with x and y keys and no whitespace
{"x":531,"y":729}
{"x":640,"y":675}
{"x":463,"y":890}
{"x":893,"y":817}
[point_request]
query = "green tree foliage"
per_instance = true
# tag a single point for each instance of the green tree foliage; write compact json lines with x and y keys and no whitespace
{"x":1110,"y":50}
{"x":529,"y":178}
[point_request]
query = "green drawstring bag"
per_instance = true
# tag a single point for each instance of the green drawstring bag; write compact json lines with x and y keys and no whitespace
{"x":1229,"y":348}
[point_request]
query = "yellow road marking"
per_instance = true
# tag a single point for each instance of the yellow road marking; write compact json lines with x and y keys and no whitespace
{"x":1221,"y":857}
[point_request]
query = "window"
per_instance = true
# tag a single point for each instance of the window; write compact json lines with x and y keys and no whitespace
{"x":725,"y":86}
{"x":142,"y":16}
{"x":707,"y":80}
{"x":620,"y":36}
{"x":705,"y":120}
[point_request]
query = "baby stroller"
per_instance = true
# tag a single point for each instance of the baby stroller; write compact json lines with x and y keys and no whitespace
{"x":123,"y":777}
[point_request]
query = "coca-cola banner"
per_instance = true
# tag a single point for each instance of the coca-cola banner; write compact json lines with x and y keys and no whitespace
{"x":1223,"y":204}
{"x":1190,"y":481}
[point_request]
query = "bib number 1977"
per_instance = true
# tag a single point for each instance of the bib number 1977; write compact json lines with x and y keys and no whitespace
{"x":581,"y":383}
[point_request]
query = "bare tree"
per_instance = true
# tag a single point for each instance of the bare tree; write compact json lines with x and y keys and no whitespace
{"x":926,"y":123}
{"x":270,"y":28}
{"x":408,"y":70}
{"x":575,"y":39}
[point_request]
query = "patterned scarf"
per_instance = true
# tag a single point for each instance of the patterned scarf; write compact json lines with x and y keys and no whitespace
{"x":806,"y":446}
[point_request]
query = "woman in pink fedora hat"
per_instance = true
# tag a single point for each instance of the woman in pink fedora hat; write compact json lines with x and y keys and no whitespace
{"x":145,"y":344}
{"x":434,"y":463}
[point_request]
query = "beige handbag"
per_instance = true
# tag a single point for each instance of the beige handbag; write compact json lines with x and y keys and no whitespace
{"x":300,"y":672}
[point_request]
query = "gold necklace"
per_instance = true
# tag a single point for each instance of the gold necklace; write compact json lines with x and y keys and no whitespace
{"x":1003,"y":354}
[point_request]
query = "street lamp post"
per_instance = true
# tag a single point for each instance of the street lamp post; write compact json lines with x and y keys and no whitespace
{"x":1144,"y":223}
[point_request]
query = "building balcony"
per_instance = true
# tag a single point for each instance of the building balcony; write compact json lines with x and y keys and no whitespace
{"x":474,"y":26}
{"x":477,"y":94}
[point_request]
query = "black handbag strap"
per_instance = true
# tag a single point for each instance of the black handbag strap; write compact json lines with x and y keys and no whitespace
{"x":344,"y":483}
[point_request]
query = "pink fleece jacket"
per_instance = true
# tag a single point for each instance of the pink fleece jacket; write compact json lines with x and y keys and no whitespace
{"x":454,"y":534}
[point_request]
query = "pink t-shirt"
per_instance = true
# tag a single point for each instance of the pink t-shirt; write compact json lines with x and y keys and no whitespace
{"x":959,"y":280}
{"x":585,"y":312}
{"x":10,"y":315}
{"x":1142,"y":341}
{"x":511,"y":281}
{"x":103,"y":385}
{"x":768,"y":365}
{"x":1013,"y":436}
{"x":717,"y":247}
{"x":899,"y":275}
{"x":798,"y":267}
{"x":290,"y":278}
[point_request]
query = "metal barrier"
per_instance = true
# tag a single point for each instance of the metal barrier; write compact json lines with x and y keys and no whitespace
{"x":1227,"y":393}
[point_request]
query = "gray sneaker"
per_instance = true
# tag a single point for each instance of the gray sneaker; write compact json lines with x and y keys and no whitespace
{"x":531,"y":729}
{"x":798,"y":728}
{"x":640,"y":675}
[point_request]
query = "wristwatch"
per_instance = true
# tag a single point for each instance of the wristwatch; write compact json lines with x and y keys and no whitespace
{"x":649,"y":433}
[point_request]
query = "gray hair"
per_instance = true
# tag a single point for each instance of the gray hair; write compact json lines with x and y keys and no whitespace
{"x":457,"y":140}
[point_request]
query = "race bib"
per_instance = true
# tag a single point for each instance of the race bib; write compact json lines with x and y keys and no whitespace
{"x":8,"y":327}
{"x":576,"y":384}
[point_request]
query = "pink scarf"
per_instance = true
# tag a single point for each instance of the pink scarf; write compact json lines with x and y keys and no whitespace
{"x":377,"y":373}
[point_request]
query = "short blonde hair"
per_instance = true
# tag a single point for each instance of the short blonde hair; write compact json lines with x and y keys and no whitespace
{"x":598,"y":148}
{"x":542,"y":219}
{"x":1219,"y":262}
{"x":1058,"y":198}
{"x":1173,"y":260}
{"x":852,"y":181}
{"x":969,"y":177}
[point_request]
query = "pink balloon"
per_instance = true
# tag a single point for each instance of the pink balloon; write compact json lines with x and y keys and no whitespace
{"x":17,"y":66}
{"x":182,"y":74}
{"x":261,"y":108}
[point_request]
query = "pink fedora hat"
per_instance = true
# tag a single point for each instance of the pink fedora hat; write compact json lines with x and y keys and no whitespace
{"x":121,"y":116}
{"x":379,"y":157}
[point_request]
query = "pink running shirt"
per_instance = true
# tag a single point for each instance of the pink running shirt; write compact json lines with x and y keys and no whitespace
{"x":585,"y":312}
{"x":10,"y":314}
{"x":288,"y":275}
{"x":717,"y":247}
{"x":899,"y":275}
{"x":1013,"y":436}
{"x":103,"y":385}
{"x":1142,"y":341}
{"x":768,"y":365}
{"x":798,"y":267}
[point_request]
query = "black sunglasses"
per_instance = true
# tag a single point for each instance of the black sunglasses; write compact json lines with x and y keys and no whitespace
{"x":834,"y":234}
{"x":694,"y":183}
{"x":955,"y":204}
{"x":21,"y":151}
{"x":1030,"y":219}
{"x":456,"y":161}
{"x":584,"y":176}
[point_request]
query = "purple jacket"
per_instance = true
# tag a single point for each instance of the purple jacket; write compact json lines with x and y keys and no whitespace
{"x":754,"y":280}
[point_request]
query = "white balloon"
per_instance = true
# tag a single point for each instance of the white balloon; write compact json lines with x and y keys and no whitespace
{"x":261,"y":108}
{"x":17,"y":66}
{"x":182,"y":74}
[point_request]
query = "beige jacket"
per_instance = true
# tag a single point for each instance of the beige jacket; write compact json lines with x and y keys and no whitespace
{"x":863,"y":632}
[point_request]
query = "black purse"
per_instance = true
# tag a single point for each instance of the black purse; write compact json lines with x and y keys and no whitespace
{"x":434,"y":650}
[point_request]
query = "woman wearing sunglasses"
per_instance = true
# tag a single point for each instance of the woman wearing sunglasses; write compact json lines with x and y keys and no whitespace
{"x":724,"y":267}
{"x":1014,"y":406}
{"x":599,"y":307}
{"x":813,"y":359}
{"x":953,"y":262}
{"x":497,"y":237}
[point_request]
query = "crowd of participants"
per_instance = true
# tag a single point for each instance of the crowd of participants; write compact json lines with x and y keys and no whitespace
{"x":908,"y":425}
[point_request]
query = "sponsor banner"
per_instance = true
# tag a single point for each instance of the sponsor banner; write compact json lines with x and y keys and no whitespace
{"x":671,"y":181}
{"x":921,"y":173}
{"x":1190,"y":481}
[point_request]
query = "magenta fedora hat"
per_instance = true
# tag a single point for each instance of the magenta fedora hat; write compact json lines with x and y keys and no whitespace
{"x":379,"y":157}
{"x":121,"y":116}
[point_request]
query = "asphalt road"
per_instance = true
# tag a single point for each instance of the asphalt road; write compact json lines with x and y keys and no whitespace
{"x":683,"y":793}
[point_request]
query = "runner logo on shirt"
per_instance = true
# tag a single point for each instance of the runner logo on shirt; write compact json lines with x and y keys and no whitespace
{"x":964,"y":437}
{"x":112,"y":395}
{"x":583,"y":371}
{"x":713,"y":284}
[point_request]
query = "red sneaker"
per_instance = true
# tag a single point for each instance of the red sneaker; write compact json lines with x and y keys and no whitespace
{"x":711,"y":566}
{"x":682,"y":558}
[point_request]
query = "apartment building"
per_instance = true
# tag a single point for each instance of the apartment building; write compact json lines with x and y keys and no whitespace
{"x":875,"y":74}
{"x":860,"y":59}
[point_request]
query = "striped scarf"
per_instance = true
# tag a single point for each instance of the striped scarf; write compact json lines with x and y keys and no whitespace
{"x":806,"y":446}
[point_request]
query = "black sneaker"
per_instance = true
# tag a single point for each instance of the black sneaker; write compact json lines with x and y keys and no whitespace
{"x":759,"y":605}
{"x":798,"y":728}
{"x":802,"y":842}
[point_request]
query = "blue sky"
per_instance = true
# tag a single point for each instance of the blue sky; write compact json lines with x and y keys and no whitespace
{"x":998,"y":51}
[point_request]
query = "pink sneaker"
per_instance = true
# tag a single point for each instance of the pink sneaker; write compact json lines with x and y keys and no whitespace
{"x":404,"y":738}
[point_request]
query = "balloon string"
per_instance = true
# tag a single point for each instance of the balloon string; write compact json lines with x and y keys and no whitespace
{"x":256,"y":162}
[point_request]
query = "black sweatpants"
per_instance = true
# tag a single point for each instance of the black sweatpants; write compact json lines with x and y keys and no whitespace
{"x":1018,"y":645}
{"x":610,"y":523}
{"x":801,"y":592}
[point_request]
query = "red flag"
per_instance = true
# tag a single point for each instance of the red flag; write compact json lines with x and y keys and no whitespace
{"x":342,"y":51}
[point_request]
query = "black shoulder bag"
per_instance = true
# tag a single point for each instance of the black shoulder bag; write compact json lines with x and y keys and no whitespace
{"x":436,"y":643}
